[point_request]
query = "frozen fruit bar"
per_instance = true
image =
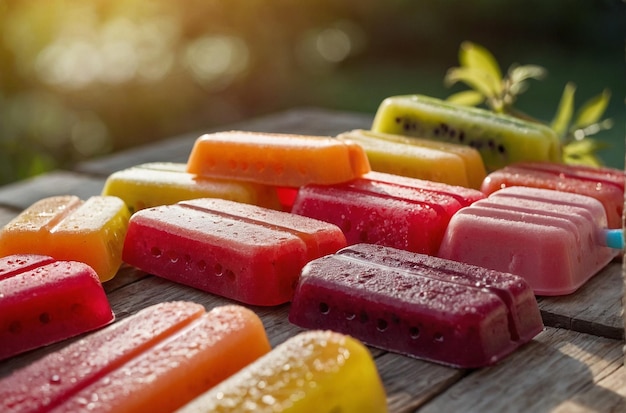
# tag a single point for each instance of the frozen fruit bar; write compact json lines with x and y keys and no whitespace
{"x":550,"y":238}
{"x":311,"y":372}
{"x":163,"y":183}
{"x":604,"y":184}
{"x":43,"y":301}
{"x":154,"y":361}
{"x":277,"y":159}
{"x":422,"y":306}
{"x":500,"y":139}
{"x":386,"y":209}
{"x":67,"y":228}
{"x":244,"y":252}
{"x":450,"y":163}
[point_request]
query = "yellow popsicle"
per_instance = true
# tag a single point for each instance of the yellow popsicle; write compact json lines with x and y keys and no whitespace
{"x":444,"y":162}
{"x":164,"y":183}
{"x":312,"y":370}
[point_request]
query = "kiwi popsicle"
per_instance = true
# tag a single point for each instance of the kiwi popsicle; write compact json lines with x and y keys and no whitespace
{"x":500,"y":139}
{"x":604,"y":184}
{"x":418,"y":305}
{"x":153,"y":361}
{"x":283,"y":160}
{"x":387,"y":209}
{"x":68,"y":228}
{"x":308,"y":371}
{"x":449,"y":163}
{"x":45,"y":301}
{"x":244,"y":252}
{"x":163,"y":183}
{"x":550,"y":238}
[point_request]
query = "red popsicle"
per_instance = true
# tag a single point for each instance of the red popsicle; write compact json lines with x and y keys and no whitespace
{"x":43,"y":301}
{"x":423,"y":306}
{"x":244,"y":252}
{"x":386,"y":209}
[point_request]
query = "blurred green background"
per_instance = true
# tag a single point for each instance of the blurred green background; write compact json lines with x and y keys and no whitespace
{"x":80,"y":79}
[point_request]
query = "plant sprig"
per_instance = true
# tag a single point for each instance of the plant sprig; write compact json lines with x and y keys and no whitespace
{"x":480,"y":71}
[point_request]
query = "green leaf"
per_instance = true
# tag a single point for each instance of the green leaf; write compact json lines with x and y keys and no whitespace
{"x":563,"y":117}
{"x":592,"y":110}
{"x":520,"y":73}
{"x":472,"y":55}
{"x":583,"y":152}
{"x":467,"y":98}
{"x":477,"y":79}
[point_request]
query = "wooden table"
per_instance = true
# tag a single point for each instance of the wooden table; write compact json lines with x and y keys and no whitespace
{"x":574,"y":365}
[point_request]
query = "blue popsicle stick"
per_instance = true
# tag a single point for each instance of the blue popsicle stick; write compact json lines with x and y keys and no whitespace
{"x":614,"y":238}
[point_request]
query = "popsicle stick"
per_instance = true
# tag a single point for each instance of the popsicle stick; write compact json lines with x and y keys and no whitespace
{"x":614,"y":238}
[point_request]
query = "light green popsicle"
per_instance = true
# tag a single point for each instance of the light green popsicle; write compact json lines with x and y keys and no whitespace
{"x":500,"y":139}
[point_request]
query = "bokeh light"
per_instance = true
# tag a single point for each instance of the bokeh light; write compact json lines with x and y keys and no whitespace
{"x":83,"y":79}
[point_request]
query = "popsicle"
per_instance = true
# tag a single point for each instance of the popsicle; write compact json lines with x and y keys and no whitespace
{"x":44,"y":301}
{"x":604,"y":184}
{"x":422,"y":306}
{"x":550,"y":238}
{"x":164,"y":183}
{"x":244,"y":252}
{"x":386,"y":209}
{"x":154,"y":361}
{"x":449,"y":163}
{"x":500,"y":139}
{"x":67,"y":228}
{"x":277,"y":159}
{"x":311,"y":372}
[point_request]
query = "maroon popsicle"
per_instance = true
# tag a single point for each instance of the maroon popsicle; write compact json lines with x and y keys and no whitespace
{"x":422,"y":306}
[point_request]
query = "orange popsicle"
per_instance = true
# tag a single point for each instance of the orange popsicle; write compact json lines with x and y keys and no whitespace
{"x":277,"y":159}
{"x":154,"y":361}
{"x":67,"y":228}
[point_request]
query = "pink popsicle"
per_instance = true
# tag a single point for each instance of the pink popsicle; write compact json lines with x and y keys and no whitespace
{"x":386,"y":209}
{"x":44,"y":301}
{"x":553,"y":239}
{"x":423,"y":306}
{"x":244,"y":252}
{"x":604,"y":184}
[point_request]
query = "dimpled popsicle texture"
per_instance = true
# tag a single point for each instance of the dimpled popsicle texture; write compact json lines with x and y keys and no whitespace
{"x":277,"y":159}
{"x":67,"y":228}
{"x":154,"y":361}
{"x":449,"y":163}
{"x":244,"y":252}
{"x":43,"y":301}
{"x":422,"y":306}
{"x":604,"y":184}
{"x":500,"y":139}
{"x":163,"y":183}
{"x":311,"y":372}
{"x":386,"y":209}
{"x":550,"y":238}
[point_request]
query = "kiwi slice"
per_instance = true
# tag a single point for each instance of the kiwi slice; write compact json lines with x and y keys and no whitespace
{"x":500,"y":139}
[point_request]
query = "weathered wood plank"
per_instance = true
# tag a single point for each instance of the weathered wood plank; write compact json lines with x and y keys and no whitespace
{"x":307,"y":121}
{"x":22,"y":194}
{"x":544,"y":375}
{"x":409,"y":383}
{"x":7,"y":214}
{"x":594,"y":309}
